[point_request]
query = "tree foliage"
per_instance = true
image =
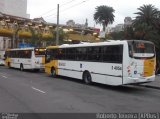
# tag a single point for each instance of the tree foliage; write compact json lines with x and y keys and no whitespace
{"x":147,"y":14}
{"x":117,"y":35}
{"x":147,"y":26}
{"x":104,"y":15}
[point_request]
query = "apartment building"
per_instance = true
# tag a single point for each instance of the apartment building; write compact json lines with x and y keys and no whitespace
{"x":15,"y":8}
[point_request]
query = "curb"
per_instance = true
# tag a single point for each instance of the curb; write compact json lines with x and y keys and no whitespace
{"x":153,"y":87}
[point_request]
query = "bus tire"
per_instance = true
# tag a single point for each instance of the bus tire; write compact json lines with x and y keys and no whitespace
{"x":36,"y":70}
{"x":21,"y":67}
{"x":53,"y":72}
{"x":87,"y":78}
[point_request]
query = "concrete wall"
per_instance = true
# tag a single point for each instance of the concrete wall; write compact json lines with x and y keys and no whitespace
{"x":15,"y":8}
{"x":5,"y":43}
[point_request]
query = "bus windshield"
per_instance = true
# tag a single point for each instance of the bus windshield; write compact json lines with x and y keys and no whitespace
{"x":40,"y":51}
{"x":141,"y":49}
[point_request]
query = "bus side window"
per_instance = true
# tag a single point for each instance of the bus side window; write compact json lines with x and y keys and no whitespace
{"x":70,"y":54}
{"x":81,"y":54}
{"x":99,"y":54}
{"x":61,"y":54}
{"x":84,"y":54}
{"x":48,"y":56}
{"x":95,"y":54}
{"x":130,"y":50}
{"x":78,"y":54}
{"x":90,"y":53}
{"x":54,"y":54}
{"x":106,"y":56}
{"x":113,"y":54}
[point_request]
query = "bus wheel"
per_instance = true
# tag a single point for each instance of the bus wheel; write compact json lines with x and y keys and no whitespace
{"x":21,"y":67}
{"x":53,"y":72}
{"x":36,"y":70}
{"x":87,"y":77}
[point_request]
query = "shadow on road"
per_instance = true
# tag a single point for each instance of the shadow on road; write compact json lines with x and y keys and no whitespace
{"x":122,"y":88}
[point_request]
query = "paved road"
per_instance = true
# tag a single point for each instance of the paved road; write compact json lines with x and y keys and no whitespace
{"x":37,"y":92}
{"x":155,"y":84}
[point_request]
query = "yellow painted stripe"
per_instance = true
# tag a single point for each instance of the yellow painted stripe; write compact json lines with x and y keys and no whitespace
{"x":48,"y":66}
{"x":43,"y":60}
{"x":149,"y":66}
{"x":50,"y":47}
{"x":7,"y":60}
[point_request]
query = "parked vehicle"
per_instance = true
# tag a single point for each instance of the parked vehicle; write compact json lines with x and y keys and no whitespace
{"x":112,"y":62}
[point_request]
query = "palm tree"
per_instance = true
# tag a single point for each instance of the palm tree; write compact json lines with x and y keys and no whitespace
{"x":158,"y":24}
{"x":147,"y":14}
{"x":147,"y":23}
{"x":104,"y":15}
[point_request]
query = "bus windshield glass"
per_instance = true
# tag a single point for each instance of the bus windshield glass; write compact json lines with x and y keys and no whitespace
{"x":40,"y":51}
{"x":139,"y":49}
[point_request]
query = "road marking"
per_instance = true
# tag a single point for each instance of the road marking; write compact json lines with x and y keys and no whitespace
{"x":3,"y":73}
{"x":38,"y":90}
{"x":5,"y":77}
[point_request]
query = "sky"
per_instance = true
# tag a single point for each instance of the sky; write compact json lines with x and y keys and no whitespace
{"x":80,"y":10}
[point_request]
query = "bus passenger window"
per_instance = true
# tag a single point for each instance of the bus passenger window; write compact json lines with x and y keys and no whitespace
{"x":113,"y":54}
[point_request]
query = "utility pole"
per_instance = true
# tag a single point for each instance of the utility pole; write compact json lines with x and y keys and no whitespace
{"x":13,"y":41}
{"x":57,"y":32}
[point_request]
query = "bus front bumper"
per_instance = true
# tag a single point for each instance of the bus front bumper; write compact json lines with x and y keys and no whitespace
{"x":129,"y":80}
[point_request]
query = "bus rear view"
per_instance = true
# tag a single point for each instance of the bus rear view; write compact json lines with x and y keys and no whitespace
{"x":141,"y":64}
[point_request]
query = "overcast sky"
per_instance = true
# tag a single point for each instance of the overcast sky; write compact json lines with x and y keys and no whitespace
{"x":79,"y":10}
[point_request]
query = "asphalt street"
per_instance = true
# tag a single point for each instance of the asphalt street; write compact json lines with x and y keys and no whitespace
{"x":37,"y":92}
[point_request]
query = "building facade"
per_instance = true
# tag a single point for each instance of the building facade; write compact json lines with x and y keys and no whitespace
{"x":119,"y":27}
{"x":70,"y":23}
{"x":127,"y":22}
{"x":15,"y":8}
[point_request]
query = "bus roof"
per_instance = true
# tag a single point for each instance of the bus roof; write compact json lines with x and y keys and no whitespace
{"x":19,"y":48}
{"x":109,"y":42}
{"x":27,"y":48}
{"x":88,"y":44}
{"x":52,"y":47}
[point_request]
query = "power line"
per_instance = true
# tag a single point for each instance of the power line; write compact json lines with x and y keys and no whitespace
{"x":48,"y":11}
{"x":56,"y":8}
{"x":74,"y":5}
{"x":68,"y":8}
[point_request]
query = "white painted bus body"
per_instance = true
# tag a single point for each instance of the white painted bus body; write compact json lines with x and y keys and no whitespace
{"x":34,"y":62}
{"x":129,"y":71}
{"x":30,"y":63}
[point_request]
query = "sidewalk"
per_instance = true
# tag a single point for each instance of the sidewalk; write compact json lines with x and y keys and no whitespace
{"x":154,"y":84}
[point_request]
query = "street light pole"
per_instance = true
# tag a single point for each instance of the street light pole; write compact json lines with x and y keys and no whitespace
{"x":57,"y":30}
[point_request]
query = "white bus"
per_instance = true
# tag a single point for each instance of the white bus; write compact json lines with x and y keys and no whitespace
{"x":112,"y":62}
{"x":25,"y":58}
